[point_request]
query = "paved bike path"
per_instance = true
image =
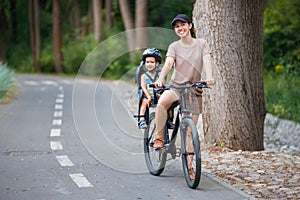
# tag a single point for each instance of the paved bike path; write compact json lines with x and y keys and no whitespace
{"x":28,"y":164}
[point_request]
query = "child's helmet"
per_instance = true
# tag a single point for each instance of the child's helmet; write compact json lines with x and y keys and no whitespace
{"x":152,"y":52}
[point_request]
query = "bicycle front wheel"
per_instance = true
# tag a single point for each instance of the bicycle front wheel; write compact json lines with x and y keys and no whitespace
{"x":155,"y":160}
{"x":191,"y":158}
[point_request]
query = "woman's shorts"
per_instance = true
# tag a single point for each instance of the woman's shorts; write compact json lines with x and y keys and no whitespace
{"x":193,"y":99}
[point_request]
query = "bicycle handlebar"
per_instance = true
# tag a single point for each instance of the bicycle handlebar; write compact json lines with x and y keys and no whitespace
{"x":202,"y":84}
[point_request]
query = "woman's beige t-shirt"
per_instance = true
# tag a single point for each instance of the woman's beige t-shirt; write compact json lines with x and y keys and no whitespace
{"x":188,"y":61}
{"x":188,"y":67}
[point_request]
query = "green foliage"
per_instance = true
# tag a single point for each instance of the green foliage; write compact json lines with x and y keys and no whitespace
{"x":75,"y":52}
{"x":122,"y":66}
{"x":8,"y":87}
{"x":282,"y":94}
{"x":281,"y":34}
{"x":222,"y":144}
{"x":282,"y":58}
{"x":19,"y":57}
{"x":163,"y":11}
{"x":75,"y":46}
{"x":47,"y":60}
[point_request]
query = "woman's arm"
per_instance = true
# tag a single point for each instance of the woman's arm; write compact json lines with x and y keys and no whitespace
{"x":165,"y":70}
{"x":208,"y":67}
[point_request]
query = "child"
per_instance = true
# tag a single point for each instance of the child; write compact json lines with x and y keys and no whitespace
{"x":151,"y":58}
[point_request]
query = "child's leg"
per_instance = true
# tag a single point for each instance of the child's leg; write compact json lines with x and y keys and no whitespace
{"x":142,"y":124}
{"x":143,"y":108}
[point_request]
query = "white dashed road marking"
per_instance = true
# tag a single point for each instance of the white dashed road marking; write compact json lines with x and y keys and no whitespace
{"x":64,"y":161}
{"x":59,"y":101}
{"x":56,"y":145}
{"x":55,"y":132}
{"x":57,"y":114}
{"x":31,"y":83}
{"x":80,"y":180}
{"x":58,"y":107}
{"x":57,"y":122}
{"x":49,"y":82}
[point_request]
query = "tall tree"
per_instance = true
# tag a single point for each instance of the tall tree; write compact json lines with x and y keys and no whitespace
{"x":234,"y":110}
{"x":97,"y":16}
{"x":87,"y":20}
{"x":74,"y":15}
{"x":14,"y":20}
{"x":141,"y":18}
{"x":35,"y":36}
{"x":108,"y":15}
{"x":58,"y":57}
{"x":3,"y":27}
{"x":128,"y":23}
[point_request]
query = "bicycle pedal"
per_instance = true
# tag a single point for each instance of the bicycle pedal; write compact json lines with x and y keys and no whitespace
{"x":160,"y":150}
{"x":151,"y":144}
{"x":178,"y":152}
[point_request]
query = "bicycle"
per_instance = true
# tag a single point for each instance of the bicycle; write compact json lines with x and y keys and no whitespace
{"x":190,"y":153}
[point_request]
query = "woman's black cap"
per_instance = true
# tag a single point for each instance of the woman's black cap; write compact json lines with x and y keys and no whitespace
{"x":181,"y":17}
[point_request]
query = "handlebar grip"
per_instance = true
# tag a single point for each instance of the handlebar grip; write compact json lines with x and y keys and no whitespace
{"x":152,"y":85}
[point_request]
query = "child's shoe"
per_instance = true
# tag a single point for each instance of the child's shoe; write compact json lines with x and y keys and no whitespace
{"x":142,"y":124}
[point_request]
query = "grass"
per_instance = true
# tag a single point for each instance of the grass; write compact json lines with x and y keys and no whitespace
{"x":282,"y":94}
{"x":8,"y":85}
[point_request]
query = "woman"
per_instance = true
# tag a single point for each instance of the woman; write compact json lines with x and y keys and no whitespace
{"x":188,"y":55}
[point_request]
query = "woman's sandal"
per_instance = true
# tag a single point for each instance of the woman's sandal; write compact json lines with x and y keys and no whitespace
{"x":192,"y":173}
{"x":158,"y":144}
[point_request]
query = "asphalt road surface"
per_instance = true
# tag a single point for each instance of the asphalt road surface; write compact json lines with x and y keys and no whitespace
{"x":66,"y":138}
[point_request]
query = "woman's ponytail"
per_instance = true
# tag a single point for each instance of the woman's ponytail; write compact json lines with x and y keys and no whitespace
{"x":193,"y":31}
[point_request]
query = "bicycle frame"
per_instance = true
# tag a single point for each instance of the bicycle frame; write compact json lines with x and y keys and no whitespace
{"x":180,"y":115}
{"x":190,"y":144}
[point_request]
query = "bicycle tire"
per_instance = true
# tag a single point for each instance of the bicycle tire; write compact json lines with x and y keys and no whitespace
{"x":155,"y":160}
{"x":192,"y":172}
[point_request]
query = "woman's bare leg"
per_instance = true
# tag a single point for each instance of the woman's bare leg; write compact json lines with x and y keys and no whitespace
{"x":164,"y":103}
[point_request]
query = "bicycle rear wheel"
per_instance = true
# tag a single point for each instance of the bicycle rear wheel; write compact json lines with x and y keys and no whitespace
{"x":155,"y":160}
{"x":191,"y":158}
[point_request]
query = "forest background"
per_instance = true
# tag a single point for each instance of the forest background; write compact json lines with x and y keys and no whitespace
{"x":34,"y":39}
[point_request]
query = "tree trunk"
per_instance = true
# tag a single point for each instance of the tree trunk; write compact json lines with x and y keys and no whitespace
{"x":128,"y":23}
{"x":3,"y":27}
{"x":75,"y":15}
{"x":2,"y":49}
{"x":141,"y":18}
{"x":87,"y":20}
{"x":37,"y":34}
{"x":109,"y":16}
{"x":234,"y":110}
{"x":14,"y":20}
{"x":58,"y":57}
{"x":97,"y":15}
{"x":35,"y":38}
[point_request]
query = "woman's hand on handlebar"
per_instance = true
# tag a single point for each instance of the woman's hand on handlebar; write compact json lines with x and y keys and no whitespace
{"x":159,"y":83}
